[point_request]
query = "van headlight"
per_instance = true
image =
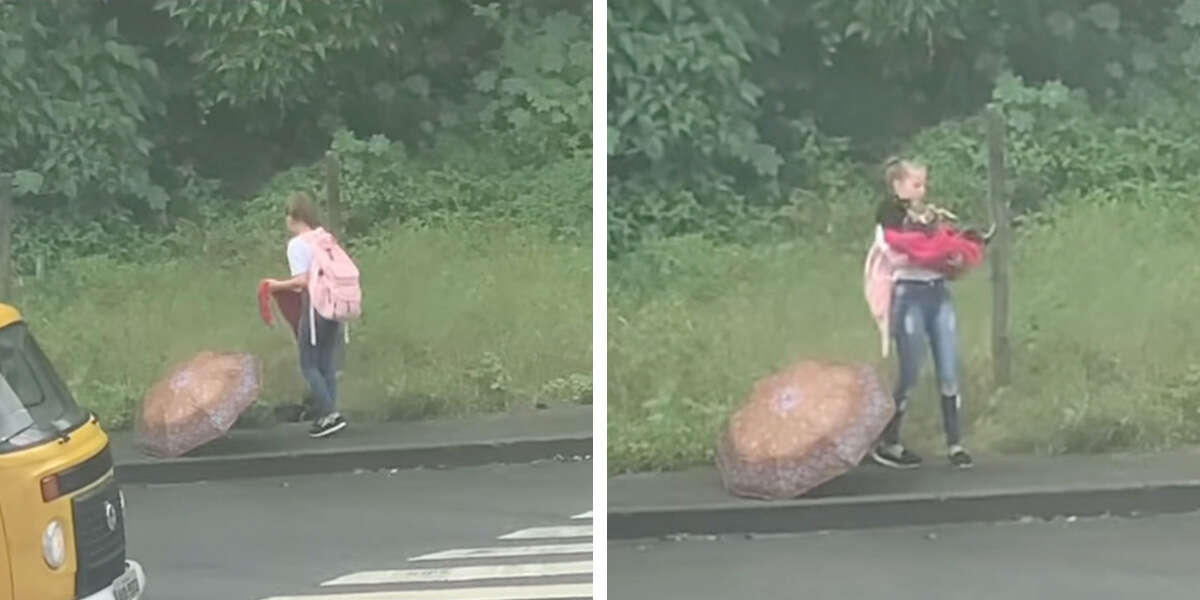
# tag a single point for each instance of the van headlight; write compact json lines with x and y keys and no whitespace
{"x":54,"y":545}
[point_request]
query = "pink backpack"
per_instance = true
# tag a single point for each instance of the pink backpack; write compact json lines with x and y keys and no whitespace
{"x":333,"y":282}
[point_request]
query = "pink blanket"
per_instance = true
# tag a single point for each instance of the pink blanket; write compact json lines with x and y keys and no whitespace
{"x":934,"y":250}
{"x":895,"y":248}
{"x":877,"y":287}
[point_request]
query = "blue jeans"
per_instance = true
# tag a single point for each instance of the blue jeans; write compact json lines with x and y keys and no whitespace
{"x":920,"y":311}
{"x":318,"y":363}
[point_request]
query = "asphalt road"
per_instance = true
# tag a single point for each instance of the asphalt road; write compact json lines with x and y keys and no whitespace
{"x":273,"y":538}
{"x":1081,"y":560}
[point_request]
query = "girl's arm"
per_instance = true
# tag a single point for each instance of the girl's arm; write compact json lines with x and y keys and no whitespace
{"x":294,"y":284}
{"x":897,"y":258}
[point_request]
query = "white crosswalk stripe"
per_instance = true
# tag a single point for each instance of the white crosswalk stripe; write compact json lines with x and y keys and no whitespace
{"x":549,"y":533}
{"x":507,"y":551}
{"x":529,"y":592}
{"x":558,"y":578}
{"x":463,"y":574}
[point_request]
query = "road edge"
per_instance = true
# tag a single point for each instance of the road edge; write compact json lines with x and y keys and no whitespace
{"x":324,"y":461}
{"x":906,"y":510}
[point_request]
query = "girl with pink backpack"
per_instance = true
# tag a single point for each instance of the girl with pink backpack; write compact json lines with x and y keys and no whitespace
{"x":328,"y":281}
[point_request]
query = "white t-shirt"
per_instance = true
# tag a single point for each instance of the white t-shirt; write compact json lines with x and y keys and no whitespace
{"x":300,"y":256}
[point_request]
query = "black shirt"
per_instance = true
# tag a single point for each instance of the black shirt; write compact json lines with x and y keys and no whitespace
{"x":890,"y":214}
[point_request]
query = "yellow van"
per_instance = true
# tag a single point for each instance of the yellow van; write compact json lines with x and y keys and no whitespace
{"x":62,"y":523}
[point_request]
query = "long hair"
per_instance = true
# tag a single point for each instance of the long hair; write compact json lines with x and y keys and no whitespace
{"x":302,"y":208}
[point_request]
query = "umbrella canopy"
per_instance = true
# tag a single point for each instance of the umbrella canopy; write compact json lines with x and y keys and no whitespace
{"x":802,"y":427}
{"x":197,"y":403}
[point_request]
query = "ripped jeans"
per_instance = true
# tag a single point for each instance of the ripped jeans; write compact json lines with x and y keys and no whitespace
{"x":920,"y":311}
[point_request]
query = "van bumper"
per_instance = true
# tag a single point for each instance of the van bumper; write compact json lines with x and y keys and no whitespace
{"x":132,"y":570}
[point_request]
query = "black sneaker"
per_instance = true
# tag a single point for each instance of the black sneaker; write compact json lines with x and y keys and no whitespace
{"x":896,"y":458}
{"x":960,"y":458}
{"x":327,"y":426}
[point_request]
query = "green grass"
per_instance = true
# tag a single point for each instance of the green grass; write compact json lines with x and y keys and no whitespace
{"x":1104,"y":329}
{"x":457,"y":321}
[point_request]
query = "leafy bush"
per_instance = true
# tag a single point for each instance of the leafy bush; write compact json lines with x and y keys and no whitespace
{"x":79,"y":103}
{"x":716,"y":108}
{"x":134,"y":119}
{"x":681,"y":108}
{"x":540,"y":86}
{"x":277,"y":55}
{"x":471,"y":180}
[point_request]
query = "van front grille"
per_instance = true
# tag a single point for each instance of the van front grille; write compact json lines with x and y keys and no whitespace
{"x":99,"y":548}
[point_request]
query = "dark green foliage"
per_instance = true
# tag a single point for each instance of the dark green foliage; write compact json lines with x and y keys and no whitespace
{"x":731,"y":118}
{"x":130,"y":123}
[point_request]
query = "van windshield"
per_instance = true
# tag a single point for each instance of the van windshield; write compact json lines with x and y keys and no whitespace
{"x":35,"y":404}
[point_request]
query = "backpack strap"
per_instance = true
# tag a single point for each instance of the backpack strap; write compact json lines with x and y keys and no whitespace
{"x":312,"y":237}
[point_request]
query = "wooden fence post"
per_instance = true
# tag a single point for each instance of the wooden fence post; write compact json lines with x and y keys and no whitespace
{"x":333,"y":193}
{"x":1001,"y":249}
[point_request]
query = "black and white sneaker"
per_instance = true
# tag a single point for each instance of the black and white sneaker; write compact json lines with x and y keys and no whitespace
{"x":960,"y":458}
{"x":327,"y":426}
{"x":896,"y":457}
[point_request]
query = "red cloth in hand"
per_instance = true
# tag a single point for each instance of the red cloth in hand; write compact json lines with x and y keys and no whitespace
{"x":264,"y":302}
{"x":288,"y":302}
{"x":935,"y":250}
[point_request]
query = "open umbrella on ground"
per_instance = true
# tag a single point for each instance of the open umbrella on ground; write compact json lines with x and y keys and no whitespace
{"x":802,"y":427}
{"x":197,"y":403}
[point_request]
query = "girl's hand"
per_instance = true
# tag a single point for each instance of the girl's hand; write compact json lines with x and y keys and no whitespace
{"x":954,"y":267}
{"x":294,"y":284}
